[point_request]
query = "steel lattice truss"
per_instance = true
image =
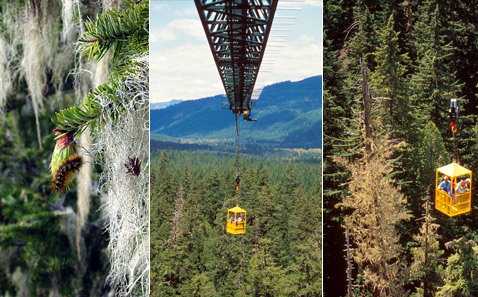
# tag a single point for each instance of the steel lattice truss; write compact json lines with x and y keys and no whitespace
{"x":237,"y":32}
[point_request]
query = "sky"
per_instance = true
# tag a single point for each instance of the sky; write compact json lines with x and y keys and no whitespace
{"x":182,"y":65}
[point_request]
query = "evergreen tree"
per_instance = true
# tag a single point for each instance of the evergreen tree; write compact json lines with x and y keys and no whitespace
{"x":433,"y":79}
{"x":166,"y":190}
{"x":415,"y":91}
{"x":306,"y":244}
{"x":387,"y":80}
{"x":205,"y":259}
{"x":264,"y":276}
{"x":199,"y":286}
{"x":427,"y":154}
{"x":377,"y":208}
{"x":364,"y":43}
{"x":426,"y":267}
{"x":461,"y":269}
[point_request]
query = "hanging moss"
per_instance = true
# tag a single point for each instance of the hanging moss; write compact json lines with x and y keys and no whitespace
{"x":117,"y":112}
{"x":5,"y":77}
{"x":39,"y":48}
{"x":39,"y":62}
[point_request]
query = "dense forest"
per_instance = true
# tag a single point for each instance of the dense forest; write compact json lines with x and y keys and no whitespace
{"x":390,"y":70}
{"x":191,"y":253}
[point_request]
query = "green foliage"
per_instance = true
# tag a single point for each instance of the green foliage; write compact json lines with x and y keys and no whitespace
{"x":433,"y":78}
{"x":387,"y":80}
{"x":426,"y":266}
{"x":419,"y":56}
{"x":40,"y":254}
{"x":199,"y":286}
{"x":76,"y":119}
{"x":461,"y":270}
{"x":192,"y":255}
{"x":289,"y":115}
{"x":125,"y":31}
{"x":37,"y":250}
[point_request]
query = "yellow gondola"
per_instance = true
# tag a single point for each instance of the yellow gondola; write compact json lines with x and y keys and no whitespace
{"x":236,"y":220}
{"x":453,"y":203}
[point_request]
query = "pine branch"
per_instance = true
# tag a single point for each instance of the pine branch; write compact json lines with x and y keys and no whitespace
{"x":124,"y":31}
{"x":27,"y":225}
{"x":75,"y":119}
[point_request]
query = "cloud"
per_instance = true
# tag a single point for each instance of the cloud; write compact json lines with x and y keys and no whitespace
{"x":300,"y":58}
{"x":192,"y":27}
{"x":161,"y":34}
{"x":169,"y":32}
{"x":158,"y":6}
{"x":182,"y":66}
{"x":316,"y":3}
{"x":188,"y":71}
{"x":289,"y":7}
{"x":186,"y":12}
{"x":184,"y":72}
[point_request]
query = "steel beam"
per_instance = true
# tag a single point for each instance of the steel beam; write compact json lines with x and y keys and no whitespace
{"x":237,"y":32}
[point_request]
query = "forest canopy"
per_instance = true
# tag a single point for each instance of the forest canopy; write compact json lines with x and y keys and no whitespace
{"x":407,"y":59}
{"x":191,"y":253}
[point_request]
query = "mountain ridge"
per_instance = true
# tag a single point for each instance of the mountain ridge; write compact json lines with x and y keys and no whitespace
{"x":289,"y":114}
{"x":161,"y":105}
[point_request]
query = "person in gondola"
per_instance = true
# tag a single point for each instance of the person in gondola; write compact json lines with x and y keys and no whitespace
{"x":231,"y":219}
{"x":462,"y":187}
{"x":240,"y":219}
{"x":445,"y":185}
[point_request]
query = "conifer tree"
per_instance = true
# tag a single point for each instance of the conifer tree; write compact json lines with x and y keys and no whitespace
{"x":377,"y":208}
{"x":200,"y":286}
{"x":264,"y":276}
{"x":387,"y":80}
{"x":433,"y":79}
{"x":306,"y":250}
{"x":206,"y":257}
{"x":364,"y":43}
{"x":461,"y":269}
{"x":437,"y":35}
{"x":426,"y":267}
{"x":339,"y":138}
{"x":213,"y":196}
{"x":306,"y":267}
{"x":427,"y":154}
{"x":166,"y":190}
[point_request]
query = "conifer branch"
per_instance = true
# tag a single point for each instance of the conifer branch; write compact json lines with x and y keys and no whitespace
{"x":75,"y":119}
{"x":115,"y":29}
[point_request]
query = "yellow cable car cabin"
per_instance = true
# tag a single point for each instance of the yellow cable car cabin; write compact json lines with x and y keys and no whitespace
{"x":236,"y":220}
{"x":457,"y":199}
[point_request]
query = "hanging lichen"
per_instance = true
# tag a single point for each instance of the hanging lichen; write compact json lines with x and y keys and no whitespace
{"x":127,"y":194}
{"x":36,"y":46}
{"x":39,"y":61}
{"x":118,"y":114}
{"x":84,"y":177}
{"x":5,"y":77}
{"x":69,"y":7}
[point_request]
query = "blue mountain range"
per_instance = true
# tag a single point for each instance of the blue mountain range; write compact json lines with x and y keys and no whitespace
{"x":289,"y":115}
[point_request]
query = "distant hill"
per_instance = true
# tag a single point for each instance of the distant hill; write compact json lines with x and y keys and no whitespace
{"x":289,"y":115}
{"x":161,"y":105}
